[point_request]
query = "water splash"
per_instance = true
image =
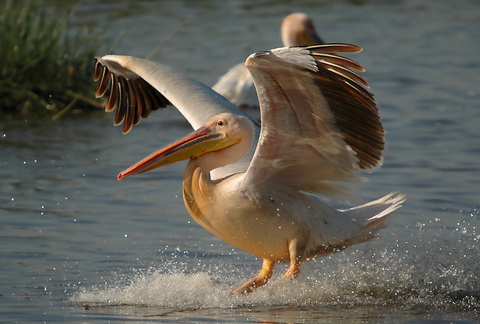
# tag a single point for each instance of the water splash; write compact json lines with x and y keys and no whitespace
{"x":427,"y":267}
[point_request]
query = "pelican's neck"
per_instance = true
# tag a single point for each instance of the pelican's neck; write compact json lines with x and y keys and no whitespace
{"x":196,"y":189}
{"x":198,"y":194}
{"x":199,"y":189}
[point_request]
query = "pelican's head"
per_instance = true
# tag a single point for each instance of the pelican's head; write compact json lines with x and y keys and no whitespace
{"x":298,"y":30}
{"x":217,"y":136}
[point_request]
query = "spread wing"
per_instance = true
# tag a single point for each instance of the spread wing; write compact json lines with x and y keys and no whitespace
{"x":135,"y":87}
{"x":320,"y":125}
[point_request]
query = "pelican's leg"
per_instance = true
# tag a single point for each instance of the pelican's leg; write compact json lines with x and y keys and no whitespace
{"x":293,"y":271}
{"x":261,"y":279}
{"x":295,"y":257}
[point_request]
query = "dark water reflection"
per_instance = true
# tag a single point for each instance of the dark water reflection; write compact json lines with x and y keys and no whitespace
{"x":72,"y":235}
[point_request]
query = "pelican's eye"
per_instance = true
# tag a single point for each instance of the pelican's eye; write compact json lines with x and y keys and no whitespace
{"x":220,"y":122}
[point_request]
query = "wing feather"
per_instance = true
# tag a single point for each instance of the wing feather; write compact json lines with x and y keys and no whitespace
{"x":128,"y":93}
{"x":103,"y":84}
{"x":320,"y":125}
{"x":337,"y":60}
{"x":113,"y":98}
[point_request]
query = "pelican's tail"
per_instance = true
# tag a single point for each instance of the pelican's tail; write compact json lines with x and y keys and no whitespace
{"x":372,"y":215}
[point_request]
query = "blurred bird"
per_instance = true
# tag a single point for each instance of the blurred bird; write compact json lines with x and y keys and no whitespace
{"x":237,"y":84}
{"x":260,"y":188}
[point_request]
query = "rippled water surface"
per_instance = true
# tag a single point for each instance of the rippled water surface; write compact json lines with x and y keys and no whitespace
{"x":77,"y":245}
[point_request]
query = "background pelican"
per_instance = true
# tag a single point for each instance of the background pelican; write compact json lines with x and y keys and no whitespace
{"x":237,"y":84}
{"x":258,"y":190}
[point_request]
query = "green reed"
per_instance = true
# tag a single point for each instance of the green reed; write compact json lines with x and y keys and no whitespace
{"x":45,"y":66}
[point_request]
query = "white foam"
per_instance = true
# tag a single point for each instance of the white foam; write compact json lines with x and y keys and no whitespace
{"x":437,"y":268}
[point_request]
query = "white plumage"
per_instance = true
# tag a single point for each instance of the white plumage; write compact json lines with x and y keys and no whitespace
{"x":319,"y":128}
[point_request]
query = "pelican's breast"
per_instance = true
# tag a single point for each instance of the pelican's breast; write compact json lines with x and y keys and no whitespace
{"x":213,"y":206}
{"x":233,"y":217}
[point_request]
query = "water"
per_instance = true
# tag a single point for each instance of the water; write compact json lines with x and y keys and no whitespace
{"x":77,"y":245}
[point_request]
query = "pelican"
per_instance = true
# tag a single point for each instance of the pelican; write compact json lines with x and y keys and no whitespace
{"x":237,"y":84}
{"x":262,"y":188}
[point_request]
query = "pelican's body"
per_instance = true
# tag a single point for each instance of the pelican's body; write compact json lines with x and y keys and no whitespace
{"x":267,"y":222}
{"x":237,"y":84}
{"x":258,"y":188}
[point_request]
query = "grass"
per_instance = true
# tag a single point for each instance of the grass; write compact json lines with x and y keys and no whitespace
{"x":45,"y":68}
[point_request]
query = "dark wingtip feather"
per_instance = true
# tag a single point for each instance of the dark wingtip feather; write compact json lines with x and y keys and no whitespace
{"x":131,"y":98}
{"x":103,"y":83}
{"x":353,"y":106}
{"x":98,"y":70}
{"x":335,"y":48}
{"x":112,"y":101}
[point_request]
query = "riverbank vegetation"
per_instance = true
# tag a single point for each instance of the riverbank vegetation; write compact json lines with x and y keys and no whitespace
{"x":46,"y":67}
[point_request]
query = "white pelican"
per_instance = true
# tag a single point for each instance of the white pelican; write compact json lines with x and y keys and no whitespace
{"x":237,"y":84}
{"x":258,"y":188}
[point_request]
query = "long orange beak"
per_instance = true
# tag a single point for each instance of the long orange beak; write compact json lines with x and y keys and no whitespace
{"x":193,"y":145}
